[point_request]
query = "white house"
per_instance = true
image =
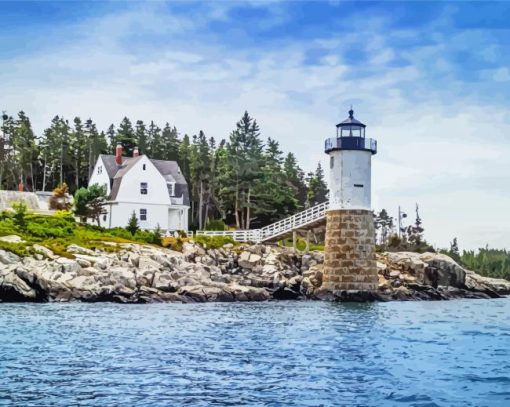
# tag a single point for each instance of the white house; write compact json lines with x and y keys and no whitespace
{"x":154,"y":189}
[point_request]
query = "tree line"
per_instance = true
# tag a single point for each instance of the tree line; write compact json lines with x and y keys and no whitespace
{"x":486,"y":261}
{"x":240,"y":179}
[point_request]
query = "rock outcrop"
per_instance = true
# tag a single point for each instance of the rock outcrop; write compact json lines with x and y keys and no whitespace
{"x":143,"y":273}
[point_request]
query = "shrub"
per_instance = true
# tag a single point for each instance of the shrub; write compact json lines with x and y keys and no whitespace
{"x":174,"y":243}
{"x":60,"y":199}
{"x":41,"y":226}
{"x":133,"y":225}
{"x":215,"y":224}
{"x":7,"y":227}
{"x":20,"y":211}
{"x":213,"y":242}
{"x":19,"y":249}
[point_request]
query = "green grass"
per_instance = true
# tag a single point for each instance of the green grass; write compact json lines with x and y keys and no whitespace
{"x":301,"y":245}
{"x":58,"y":231}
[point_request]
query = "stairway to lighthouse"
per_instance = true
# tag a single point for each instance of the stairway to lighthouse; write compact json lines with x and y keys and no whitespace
{"x":308,"y":219}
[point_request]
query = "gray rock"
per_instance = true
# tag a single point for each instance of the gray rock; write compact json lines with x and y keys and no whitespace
{"x":11,"y":239}
{"x":8,"y":257}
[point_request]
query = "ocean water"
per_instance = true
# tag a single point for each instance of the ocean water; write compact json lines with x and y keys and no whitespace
{"x":454,"y":353}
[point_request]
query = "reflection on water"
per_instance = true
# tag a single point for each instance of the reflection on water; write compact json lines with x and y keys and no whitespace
{"x":278,"y":353}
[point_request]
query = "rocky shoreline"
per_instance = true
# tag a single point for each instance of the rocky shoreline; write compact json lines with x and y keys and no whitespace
{"x":143,"y":274}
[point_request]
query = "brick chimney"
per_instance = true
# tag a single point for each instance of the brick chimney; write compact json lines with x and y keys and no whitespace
{"x":21,"y":187}
{"x":136,"y":152}
{"x":118,"y":154}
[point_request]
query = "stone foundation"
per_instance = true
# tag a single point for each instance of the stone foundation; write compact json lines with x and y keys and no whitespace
{"x":349,"y":255}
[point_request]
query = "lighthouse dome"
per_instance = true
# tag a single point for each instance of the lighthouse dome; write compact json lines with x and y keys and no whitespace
{"x":350,"y":127}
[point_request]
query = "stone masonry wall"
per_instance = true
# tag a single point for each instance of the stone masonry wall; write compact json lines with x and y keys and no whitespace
{"x":349,"y":257}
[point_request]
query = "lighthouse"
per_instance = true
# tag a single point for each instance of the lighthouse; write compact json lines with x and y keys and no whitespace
{"x":349,"y":258}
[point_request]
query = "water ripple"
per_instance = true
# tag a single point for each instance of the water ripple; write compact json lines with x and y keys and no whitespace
{"x":271,"y":354}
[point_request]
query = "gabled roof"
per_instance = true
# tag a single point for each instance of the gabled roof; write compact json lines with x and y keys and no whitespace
{"x":168,"y":169}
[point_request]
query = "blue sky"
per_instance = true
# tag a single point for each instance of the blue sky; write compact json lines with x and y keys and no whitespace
{"x":431,"y":81}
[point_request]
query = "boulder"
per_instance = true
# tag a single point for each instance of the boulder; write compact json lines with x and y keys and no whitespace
{"x":248,"y":260}
{"x":8,"y":257}
{"x":44,"y":251}
{"x":11,"y":239}
{"x":74,"y":248}
{"x":449,"y":273}
{"x":15,"y":289}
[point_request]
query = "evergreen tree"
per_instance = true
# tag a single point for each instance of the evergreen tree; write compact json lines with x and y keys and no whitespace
{"x":296,"y":178}
{"x":200,"y":166}
{"x":277,"y":198}
{"x":142,"y":140}
{"x":243,"y":170}
{"x":132,"y":225}
{"x":156,"y":147}
{"x":184,"y":157}
{"x":126,"y":136}
{"x":171,"y":142}
{"x":112,"y":141}
{"x":89,"y":203}
{"x":317,"y":188}
{"x":25,"y":151}
{"x":96,"y":142}
{"x":79,"y":154}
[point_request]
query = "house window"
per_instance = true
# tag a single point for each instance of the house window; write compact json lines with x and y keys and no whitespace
{"x":100,"y":169}
{"x":143,"y":214}
{"x":143,"y":167}
{"x":331,"y":162}
{"x":358,"y":185}
{"x":143,"y":188}
{"x":171,"y":189}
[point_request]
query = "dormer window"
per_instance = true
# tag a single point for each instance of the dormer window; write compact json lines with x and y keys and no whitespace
{"x":143,"y":188}
{"x":171,"y":188}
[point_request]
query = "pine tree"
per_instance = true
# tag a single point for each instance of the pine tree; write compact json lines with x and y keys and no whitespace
{"x":79,"y":154}
{"x":25,"y":150}
{"x":141,"y":137}
{"x":296,"y":178}
{"x":126,"y":136}
{"x":111,"y":136}
{"x":132,"y":225}
{"x":171,"y":142}
{"x":244,"y":163}
{"x":276,"y":197}
{"x":200,"y":166}
{"x":184,"y":157}
{"x":96,"y":143}
{"x":156,"y":147}
{"x":317,"y":188}
{"x":454,"y":247}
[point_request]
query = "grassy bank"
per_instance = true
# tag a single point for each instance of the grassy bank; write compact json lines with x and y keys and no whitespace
{"x":58,"y":231}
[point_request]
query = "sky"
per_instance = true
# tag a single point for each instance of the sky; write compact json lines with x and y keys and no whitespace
{"x":431,"y":80}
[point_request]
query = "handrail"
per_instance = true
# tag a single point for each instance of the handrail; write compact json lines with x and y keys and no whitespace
{"x":280,"y":227}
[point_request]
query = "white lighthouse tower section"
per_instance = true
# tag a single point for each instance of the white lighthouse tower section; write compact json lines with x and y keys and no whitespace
{"x":350,"y":179}
{"x":350,"y":166}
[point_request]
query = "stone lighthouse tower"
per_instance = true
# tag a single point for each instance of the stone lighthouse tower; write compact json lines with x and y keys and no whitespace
{"x":349,"y":259}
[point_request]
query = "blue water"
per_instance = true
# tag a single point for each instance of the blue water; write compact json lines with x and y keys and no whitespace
{"x":453,"y":353}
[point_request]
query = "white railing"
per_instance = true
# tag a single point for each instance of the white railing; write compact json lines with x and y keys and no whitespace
{"x":276,"y":229}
